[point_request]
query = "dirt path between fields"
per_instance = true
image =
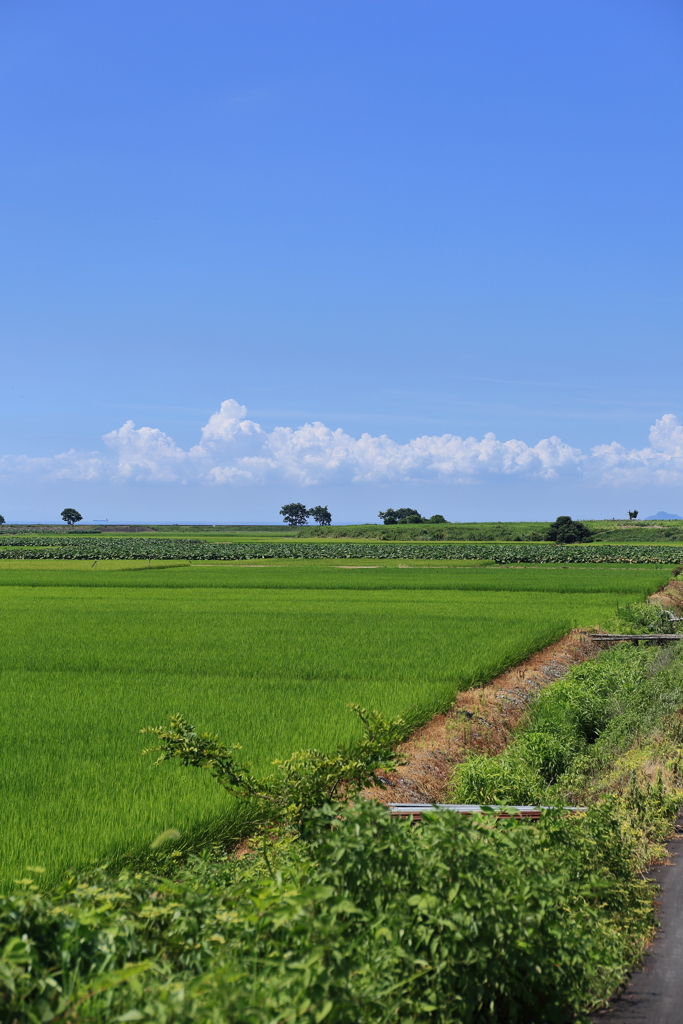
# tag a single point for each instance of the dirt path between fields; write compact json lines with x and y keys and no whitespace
{"x":481,"y":720}
{"x":670,"y":596}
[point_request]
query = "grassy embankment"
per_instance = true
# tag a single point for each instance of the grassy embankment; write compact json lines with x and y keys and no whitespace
{"x":605,"y":531}
{"x":608,"y":735}
{"x":268,"y":654}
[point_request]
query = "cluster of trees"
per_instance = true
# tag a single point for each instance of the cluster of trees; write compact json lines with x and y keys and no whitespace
{"x":400,"y":516}
{"x":296,"y":514}
{"x":567,"y":531}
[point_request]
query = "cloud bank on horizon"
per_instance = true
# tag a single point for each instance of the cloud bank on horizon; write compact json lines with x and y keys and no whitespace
{"x":236,"y":450}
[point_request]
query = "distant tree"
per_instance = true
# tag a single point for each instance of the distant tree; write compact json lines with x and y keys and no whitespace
{"x":408,"y":515}
{"x":320,"y":515}
{"x":393,"y":517}
{"x":633,"y":515}
{"x":566,"y":531}
{"x":295,"y":514}
{"x":437,"y":519}
{"x":71,"y":516}
{"x":2,"y":520}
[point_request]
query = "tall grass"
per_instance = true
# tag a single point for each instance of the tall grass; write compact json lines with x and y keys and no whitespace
{"x":578,"y":730}
{"x":84,"y":668}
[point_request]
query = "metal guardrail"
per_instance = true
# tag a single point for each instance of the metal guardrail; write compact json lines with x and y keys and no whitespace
{"x":634,"y":638}
{"x":415,"y":811}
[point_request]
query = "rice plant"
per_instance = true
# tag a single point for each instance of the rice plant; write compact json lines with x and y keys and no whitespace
{"x":84,"y":668}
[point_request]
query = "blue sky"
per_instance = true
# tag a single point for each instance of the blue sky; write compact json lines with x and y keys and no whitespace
{"x":321,"y":250}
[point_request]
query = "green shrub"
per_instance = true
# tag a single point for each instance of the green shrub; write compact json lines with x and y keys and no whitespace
{"x":367,"y":920}
{"x":307,"y":779}
{"x":643,"y":617}
{"x":578,"y":727}
{"x":565,"y":530}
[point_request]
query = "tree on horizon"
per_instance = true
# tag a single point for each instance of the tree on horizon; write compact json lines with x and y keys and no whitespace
{"x":321,"y":515}
{"x":398,"y":516}
{"x":565,"y":530}
{"x":71,"y":516}
{"x":294,"y":514}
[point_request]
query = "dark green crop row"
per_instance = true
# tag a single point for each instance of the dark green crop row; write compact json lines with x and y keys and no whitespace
{"x":59,"y":531}
{"x":197,"y":550}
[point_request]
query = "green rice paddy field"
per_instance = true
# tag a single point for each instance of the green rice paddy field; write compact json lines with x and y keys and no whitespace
{"x":265,"y":654}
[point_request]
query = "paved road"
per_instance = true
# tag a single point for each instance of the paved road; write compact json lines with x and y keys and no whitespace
{"x":655,"y":993}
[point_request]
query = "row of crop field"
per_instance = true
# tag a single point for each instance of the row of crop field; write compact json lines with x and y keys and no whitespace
{"x":158,"y":548}
{"x":340,"y":574}
{"x":58,"y":531}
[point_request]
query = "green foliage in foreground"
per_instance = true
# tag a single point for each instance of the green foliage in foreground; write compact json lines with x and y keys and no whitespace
{"x":307,"y":779}
{"x":154,"y":547}
{"x":364,"y":920}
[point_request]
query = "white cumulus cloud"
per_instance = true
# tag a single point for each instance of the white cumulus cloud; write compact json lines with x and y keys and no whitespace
{"x":146,"y":454}
{"x":234,"y":450}
{"x":661,"y":462}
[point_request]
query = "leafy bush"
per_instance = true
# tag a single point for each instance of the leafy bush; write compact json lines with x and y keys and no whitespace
{"x":366,"y":920}
{"x":307,"y":779}
{"x":566,"y":531}
{"x":643,"y":617}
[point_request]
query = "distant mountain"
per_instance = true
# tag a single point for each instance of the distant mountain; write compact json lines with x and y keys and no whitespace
{"x":664,"y":515}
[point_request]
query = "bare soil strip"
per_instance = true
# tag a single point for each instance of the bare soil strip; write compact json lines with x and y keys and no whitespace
{"x":670,"y":596}
{"x":481,"y":720}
